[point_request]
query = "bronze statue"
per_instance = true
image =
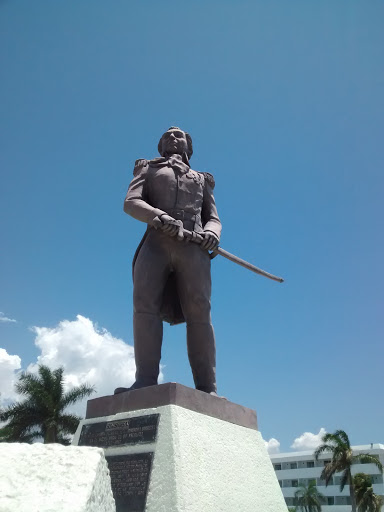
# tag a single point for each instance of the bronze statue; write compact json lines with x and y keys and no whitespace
{"x":172,"y":278}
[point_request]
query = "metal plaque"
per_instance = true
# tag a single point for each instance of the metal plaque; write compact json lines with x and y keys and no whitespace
{"x":138,"y":430}
{"x":130,"y":480}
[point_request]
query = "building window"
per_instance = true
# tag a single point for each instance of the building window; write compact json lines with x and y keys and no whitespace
{"x":342,"y":500}
{"x":330,"y":500}
{"x":277,"y":467}
{"x":310,"y":464}
{"x":280,"y":483}
{"x":295,"y":483}
{"x":293,"y":465}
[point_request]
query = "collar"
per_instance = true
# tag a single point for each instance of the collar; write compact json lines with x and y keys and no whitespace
{"x":177,"y":162}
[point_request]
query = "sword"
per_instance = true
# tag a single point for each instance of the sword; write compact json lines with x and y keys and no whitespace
{"x":197,"y":238}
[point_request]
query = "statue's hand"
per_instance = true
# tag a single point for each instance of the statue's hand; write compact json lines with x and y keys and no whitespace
{"x":210,"y":242}
{"x":169,"y":225}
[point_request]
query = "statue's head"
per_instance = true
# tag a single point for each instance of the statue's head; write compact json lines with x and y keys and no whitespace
{"x":175,"y":140}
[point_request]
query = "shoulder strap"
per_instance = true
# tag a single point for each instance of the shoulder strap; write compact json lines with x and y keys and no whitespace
{"x":209,"y":178}
{"x":139,"y":166}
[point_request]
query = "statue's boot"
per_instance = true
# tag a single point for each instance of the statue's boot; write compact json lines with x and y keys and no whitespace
{"x":135,"y":385}
{"x":202,"y":356}
{"x":148,"y":336}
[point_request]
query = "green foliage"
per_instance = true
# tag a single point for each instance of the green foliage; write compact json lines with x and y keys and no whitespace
{"x":367,"y":500}
{"x":291,"y":509}
{"x":4,"y":434}
{"x":339,"y":447}
{"x":41,"y":414}
{"x":308,"y":498}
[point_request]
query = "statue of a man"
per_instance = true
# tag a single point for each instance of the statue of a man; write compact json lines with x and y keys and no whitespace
{"x":172,"y":278}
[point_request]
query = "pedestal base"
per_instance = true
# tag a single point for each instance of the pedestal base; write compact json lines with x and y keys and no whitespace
{"x":204,"y":454}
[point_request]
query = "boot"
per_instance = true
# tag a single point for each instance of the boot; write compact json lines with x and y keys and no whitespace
{"x":202,"y":356}
{"x":148,"y":336}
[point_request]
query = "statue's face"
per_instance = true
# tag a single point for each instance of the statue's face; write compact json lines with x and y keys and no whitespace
{"x":174,"y":142}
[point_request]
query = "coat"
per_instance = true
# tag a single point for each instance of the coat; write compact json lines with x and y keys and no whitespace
{"x":170,"y":186}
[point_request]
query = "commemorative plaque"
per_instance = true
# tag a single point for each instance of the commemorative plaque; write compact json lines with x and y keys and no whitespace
{"x":138,"y":430}
{"x":129,"y":480}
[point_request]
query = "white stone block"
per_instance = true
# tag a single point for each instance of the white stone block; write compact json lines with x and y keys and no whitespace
{"x":54,"y":478}
{"x":202,"y":463}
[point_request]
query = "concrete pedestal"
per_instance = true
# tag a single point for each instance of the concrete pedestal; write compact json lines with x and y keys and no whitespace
{"x":201,"y":453}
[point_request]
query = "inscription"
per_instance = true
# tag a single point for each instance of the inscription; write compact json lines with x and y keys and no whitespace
{"x":138,"y":430}
{"x":129,"y":480}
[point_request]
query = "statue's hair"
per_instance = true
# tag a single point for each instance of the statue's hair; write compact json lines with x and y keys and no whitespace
{"x":187,"y":136}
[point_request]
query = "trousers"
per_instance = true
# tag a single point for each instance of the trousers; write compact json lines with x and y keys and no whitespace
{"x":159,"y":256}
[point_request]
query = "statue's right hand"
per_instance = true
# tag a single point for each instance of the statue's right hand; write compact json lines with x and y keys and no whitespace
{"x":169,"y":225}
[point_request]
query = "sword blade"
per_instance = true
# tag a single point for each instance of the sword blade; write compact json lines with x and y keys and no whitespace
{"x":247,"y":265}
{"x":197,"y":239}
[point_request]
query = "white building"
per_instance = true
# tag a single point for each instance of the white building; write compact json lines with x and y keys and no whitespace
{"x":298,"y":468}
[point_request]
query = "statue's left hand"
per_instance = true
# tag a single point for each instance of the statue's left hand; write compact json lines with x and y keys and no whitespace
{"x":210,"y":242}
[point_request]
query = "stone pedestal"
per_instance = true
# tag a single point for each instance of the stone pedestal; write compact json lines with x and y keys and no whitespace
{"x":174,"y":449}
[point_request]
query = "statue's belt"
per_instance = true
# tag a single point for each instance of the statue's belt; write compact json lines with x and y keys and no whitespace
{"x":184,"y":216}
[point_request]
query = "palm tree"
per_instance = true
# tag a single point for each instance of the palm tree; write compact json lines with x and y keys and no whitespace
{"x":308,"y":498}
{"x":367,"y":500}
{"x":339,"y":446}
{"x":42,"y":414}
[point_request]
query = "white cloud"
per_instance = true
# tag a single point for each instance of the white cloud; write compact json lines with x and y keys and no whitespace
{"x":88,"y":354}
{"x":273,"y":445}
{"x":9,"y":367}
{"x":308,"y":441}
{"x":5,"y":319}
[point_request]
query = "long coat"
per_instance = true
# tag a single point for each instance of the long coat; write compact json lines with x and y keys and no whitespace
{"x":169,"y":185}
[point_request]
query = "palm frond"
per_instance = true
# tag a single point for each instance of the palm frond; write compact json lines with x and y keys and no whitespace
{"x":323,"y":448}
{"x":366,"y":458}
{"x":329,"y":470}
{"x":28,"y":382}
{"x":76,"y":394}
{"x":58,"y":384}
{"x":46,"y":376}
{"x":21,"y":428}
{"x":68,"y":423}
{"x":22,"y":412}
{"x":65,"y":440}
{"x":342,"y":437}
{"x":9,"y":435}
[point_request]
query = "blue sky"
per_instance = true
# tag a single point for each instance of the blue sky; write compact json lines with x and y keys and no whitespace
{"x":284,"y":102}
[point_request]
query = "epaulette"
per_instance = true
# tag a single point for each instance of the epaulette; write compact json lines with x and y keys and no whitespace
{"x":139,"y":164}
{"x":209,"y":178}
{"x":157,"y":160}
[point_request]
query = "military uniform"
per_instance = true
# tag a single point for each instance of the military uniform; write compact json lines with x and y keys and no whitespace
{"x":172,"y":279}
